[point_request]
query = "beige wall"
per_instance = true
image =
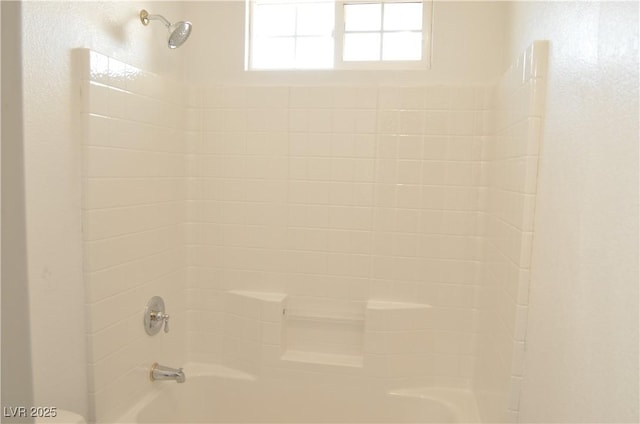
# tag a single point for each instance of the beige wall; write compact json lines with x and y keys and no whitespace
{"x":582,"y":340}
{"x":52,"y":163}
{"x":468,"y":48}
{"x":16,"y":358}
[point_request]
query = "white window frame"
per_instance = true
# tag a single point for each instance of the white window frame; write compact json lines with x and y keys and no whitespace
{"x":338,"y":39}
{"x":339,"y":32}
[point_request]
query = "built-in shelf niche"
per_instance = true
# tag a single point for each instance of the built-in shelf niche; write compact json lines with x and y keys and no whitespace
{"x":318,"y":331}
{"x":324,"y":331}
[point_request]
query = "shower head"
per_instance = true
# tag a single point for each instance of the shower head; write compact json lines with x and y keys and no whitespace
{"x":178,"y":32}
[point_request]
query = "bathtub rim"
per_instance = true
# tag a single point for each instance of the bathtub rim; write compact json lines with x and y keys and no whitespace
{"x":460,"y":402}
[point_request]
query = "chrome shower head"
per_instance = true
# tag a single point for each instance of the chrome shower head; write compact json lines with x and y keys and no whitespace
{"x":178,"y":32}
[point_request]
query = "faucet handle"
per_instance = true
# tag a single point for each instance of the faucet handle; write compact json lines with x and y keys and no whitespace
{"x":155,"y":317}
{"x":166,"y":322}
{"x":161,"y":317}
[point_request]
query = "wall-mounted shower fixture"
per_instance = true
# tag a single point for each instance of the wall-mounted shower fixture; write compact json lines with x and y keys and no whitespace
{"x":178,"y":32}
{"x":154,"y":316}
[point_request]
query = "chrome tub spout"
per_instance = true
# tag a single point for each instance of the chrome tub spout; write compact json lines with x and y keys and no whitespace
{"x":160,"y":372}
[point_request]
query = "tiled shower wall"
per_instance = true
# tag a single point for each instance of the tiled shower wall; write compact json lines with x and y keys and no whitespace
{"x":510,"y":155}
{"x":338,"y":193}
{"x":134,"y":214}
{"x":332,"y":196}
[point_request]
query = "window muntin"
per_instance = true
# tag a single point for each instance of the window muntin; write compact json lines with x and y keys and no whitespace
{"x":291,"y":34}
{"x":383,"y":31}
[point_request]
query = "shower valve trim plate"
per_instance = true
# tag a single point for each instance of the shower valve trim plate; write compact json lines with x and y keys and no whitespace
{"x":155,"y":316}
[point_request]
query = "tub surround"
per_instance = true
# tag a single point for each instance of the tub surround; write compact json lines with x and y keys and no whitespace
{"x":337,"y":196}
{"x":511,"y":154}
{"x":338,"y":232}
{"x":134,"y":213}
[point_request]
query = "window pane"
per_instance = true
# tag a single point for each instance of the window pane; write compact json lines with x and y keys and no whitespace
{"x":274,"y":19}
{"x":360,"y":47}
{"x":269,"y":53}
{"x":402,"y":16}
{"x":314,"y":52}
{"x":402,"y":46}
{"x":315,"y":18}
{"x":362,"y":17}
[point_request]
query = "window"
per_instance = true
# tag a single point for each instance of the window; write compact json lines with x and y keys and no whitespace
{"x":291,"y":34}
{"x":326,"y":34}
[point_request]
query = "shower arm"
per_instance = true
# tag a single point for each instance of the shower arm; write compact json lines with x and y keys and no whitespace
{"x":145,"y":18}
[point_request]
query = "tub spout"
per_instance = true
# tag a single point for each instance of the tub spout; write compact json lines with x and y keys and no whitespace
{"x":160,"y":372}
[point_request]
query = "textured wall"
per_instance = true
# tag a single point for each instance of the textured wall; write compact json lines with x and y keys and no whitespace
{"x":17,"y":381}
{"x":582,"y":338}
{"x":52,"y":172}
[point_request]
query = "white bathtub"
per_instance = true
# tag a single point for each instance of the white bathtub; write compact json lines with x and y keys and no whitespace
{"x":221,"y":395}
